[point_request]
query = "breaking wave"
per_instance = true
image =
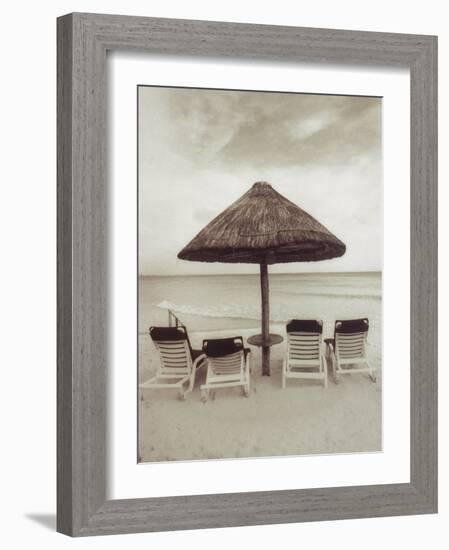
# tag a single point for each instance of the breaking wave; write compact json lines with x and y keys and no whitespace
{"x":279,"y":313}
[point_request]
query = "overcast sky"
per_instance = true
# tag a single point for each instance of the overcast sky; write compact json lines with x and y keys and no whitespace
{"x":200,"y":150}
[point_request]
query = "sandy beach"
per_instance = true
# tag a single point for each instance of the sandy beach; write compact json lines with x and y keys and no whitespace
{"x":300,"y":420}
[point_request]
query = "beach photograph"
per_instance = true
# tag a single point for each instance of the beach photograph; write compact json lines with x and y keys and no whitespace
{"x":260,"y":245}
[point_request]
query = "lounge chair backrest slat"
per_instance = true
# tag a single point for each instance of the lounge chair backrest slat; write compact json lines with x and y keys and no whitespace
{"x":230,"y":364}
{"x":225,"y":355}
{"x":175,"y":359}
{"x":171,"y":348}
{"x":350,"y":338}
{"x":350,"y":347}
{"x":171,"y":334}
{"x":174,"y":350}
{"x":304,"y":337}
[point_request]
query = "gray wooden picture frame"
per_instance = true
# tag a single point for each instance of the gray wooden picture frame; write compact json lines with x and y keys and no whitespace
{"x":83,"y":40}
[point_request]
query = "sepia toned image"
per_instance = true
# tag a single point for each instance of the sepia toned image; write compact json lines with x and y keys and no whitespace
{"x":260,"y":274}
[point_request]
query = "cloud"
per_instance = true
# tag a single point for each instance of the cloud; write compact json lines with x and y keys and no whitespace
{"x":199,"y":150}
{"x":260,"y":128}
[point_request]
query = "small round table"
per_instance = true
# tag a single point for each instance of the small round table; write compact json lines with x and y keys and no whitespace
{"x":258,"y":341}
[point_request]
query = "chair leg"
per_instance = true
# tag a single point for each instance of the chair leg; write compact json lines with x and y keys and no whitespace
{"x":191,"y":382}
{"x":204,"y":395}
{"x":324,"y":366}
{"x":372,"y":374}
{"x":248,"y":377}
{"x":334,"y":369}
{"x":246,"y":385}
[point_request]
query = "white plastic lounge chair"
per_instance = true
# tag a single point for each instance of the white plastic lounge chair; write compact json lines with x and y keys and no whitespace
{"x":178,"y":362}
{"x":305,"y":351}
{"x":228,"y":365}
{"x":348,"y":351}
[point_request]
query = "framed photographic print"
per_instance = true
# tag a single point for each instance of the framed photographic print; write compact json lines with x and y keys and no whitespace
{"x":246,"y":274}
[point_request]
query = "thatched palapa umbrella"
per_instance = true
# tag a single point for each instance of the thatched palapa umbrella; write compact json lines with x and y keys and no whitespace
{"x":263,"y":227}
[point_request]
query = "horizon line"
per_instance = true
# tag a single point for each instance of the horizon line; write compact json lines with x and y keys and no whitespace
{"x":257,"y":274}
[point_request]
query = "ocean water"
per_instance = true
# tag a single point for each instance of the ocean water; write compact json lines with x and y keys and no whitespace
{"x":222,"y":302}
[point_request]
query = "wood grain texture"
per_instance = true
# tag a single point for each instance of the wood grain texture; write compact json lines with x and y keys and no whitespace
{"x":423,"y":275}
{"x":64,"y":277}
{"x":83,"y":40}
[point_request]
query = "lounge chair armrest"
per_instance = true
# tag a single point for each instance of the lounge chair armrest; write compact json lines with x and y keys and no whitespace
{"x":329,"y":342}
{"x":199,"y":359}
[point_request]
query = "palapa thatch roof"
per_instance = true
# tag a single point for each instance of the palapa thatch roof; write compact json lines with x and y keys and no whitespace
{"x":263,"y":226}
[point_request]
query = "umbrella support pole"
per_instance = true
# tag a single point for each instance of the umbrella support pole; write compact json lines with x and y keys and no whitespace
{"x":265,"y":318}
